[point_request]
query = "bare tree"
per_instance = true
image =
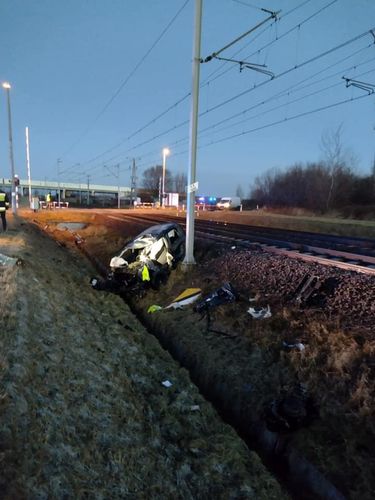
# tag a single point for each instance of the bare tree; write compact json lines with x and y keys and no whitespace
{"x":152,"y":176}
{"x":239,"y":191}
{"x":339,"y":163}
{"x":180,"y":182}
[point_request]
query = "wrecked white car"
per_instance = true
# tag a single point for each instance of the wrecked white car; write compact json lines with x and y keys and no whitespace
{"x":145,"y":261}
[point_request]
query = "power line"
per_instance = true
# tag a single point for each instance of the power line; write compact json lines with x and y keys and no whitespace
{"x":185,"y":122}
{"x":248,"y":4}
{"x":295,"y":87}
{"x":283,"y":73}
{"x":277,"y":38}
{"x":208,"y":80}
{"x":122,"y":85}
{"x":182,"y":99}
{"x":273,"y":15}
{"x":246,"y":91}
{"x":293,"y":68}
{"x":141,"y":129}
{"x":299,"y":115}
{"x":287,"y":104}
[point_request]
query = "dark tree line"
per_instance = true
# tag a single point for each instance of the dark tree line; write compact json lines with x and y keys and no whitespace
{"x":331,"y":184}
{"x":316,"y":187}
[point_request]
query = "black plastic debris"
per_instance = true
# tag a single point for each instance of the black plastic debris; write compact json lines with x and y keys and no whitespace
{"x":223,"y":295}
{"x":291,"y":412}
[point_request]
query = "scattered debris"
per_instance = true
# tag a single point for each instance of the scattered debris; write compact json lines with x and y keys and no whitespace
{"x":9,"y":261}
{"x":298,"y":346}
{"x":260,"y":312}
{"x":187,"y":297}
{"x":167,"y":383}
{"x":222,"y":295}
{"x":78,"y":239}
{"x":154,"y":308}
{"x":291,"y":412}
{"x":313,"y":291}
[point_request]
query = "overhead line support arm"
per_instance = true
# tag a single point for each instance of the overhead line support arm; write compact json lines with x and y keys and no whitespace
{"x":215,"y":54}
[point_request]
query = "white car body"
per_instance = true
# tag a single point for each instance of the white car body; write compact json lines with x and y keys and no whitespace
{"x":229,"y":203}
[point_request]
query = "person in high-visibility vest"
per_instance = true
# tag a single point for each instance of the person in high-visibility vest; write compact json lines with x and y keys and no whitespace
{"x":49,"y":200}
{"x":4,"y":205}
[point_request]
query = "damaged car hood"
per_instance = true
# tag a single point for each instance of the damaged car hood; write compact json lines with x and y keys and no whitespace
{"x":142,"y":250}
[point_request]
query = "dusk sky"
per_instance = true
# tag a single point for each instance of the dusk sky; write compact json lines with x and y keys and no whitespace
{"x":100,"y":82}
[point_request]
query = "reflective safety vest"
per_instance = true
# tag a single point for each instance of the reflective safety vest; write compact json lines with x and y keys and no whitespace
{"x":4,"y":202}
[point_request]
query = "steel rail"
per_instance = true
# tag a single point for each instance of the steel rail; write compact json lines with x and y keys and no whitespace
{"x":231,"y":234}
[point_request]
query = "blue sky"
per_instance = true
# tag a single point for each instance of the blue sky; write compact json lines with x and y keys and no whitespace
{"x":90,"y":78}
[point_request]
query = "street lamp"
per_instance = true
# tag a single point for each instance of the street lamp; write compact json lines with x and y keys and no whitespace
{"x":166,"y":152}
{"x":7,"y":87}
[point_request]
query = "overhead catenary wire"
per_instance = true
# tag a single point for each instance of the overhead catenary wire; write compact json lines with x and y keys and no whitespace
{"x":227,"y":101}
{"x":278,"y":122}
{"x":285,"y":92}
{"x":280,"y":106}
{"x":274,"y":123}
{"x":126,"y":80}
{"x":290,"y":69}
{"x":295,"y":87}
{"x":248,"y":5}
{"x":182,"y":99}
{"x":208,"y":79}
{"x":272,"y":15}
{"x":283,"y":73}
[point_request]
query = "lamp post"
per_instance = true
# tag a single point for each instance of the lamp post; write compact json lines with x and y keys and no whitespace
{"x":166,"y":152}
{"x":7,"y":87}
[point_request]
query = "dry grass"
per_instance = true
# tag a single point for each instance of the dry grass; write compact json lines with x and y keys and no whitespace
{"x":250,"y":369}
{"x":86,"y":414}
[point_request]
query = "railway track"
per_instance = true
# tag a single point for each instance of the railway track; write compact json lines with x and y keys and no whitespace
{"x":355,"y":254}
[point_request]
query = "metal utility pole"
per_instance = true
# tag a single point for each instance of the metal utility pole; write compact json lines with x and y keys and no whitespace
{"x":160,"y":195}
{"x":7,"y":88}
{"x":133,"y":183}
{"x":192,"y":184}
{"x":118,"y":180}
{"x":58,"y":161}
{"x":28,"y":164}
{"x":88,"y":190}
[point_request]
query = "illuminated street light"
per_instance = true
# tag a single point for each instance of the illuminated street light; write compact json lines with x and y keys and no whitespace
{"x":7,"y":87}
{"x":166,"y":152}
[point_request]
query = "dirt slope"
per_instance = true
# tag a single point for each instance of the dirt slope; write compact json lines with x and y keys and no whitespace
{"x":83,"y":411}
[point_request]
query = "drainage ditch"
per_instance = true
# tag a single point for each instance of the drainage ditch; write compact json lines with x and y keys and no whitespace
{"x":299,"y":476}
{"x":295,"y":472}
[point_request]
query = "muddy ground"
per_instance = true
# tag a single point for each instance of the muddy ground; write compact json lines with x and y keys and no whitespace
{"x":83,"y":409}
{"x":243,"y":366}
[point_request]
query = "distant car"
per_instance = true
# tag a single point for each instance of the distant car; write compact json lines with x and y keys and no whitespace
{"x":229,"y":203}
{"x":145,"y":261}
